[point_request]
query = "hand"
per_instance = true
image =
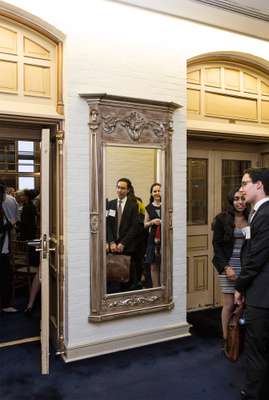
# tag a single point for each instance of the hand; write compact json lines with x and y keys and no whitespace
{"x":238,"y":298}
{"x":120,"y":248}
{"x":230,"y":273}
{"x":107,"y":247}
{"x":113,"y":247}
{"x":156,"y":221}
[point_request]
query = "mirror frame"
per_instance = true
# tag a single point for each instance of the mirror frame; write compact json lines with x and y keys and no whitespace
{"x":133,"y":122}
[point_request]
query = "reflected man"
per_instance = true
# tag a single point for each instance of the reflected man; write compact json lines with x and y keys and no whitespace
{"x":122,"y":223}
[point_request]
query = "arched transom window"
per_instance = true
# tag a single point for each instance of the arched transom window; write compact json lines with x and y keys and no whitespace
{"x":227,"y":91}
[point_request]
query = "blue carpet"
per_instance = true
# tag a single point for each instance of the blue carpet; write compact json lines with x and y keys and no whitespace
{"x":192,"y":368}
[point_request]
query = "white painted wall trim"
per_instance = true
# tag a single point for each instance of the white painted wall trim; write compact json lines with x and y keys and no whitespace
{"x":98,"y":348}
{"x":243,"y":20}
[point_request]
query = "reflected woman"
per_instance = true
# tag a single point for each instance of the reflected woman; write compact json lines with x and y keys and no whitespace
{"x":227,"y":242}
{"x":153,"y":224}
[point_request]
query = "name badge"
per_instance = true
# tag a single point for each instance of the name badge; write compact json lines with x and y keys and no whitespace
{"x":112,"y":213}
{"x":246,"y":232}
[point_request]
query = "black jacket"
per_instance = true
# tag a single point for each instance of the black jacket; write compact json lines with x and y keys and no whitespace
{"x":254,"y":276}
{"x":128,"y":227}
{"x":223,"y":249}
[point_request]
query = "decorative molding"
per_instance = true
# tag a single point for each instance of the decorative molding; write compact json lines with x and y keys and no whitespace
{"x":94,"y":222}
{"x":94,"y":121}
{"x":131,"y":301}
{"x":236,"y":7}
{"x":135,"y":123}
{"x":107,"y":346}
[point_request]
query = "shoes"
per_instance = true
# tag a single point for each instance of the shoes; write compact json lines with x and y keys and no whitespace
{"x":243,"y":395}
{"x":10,"y":310}
{"x":28,"y":312}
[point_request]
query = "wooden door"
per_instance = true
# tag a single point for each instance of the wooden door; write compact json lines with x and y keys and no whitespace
{"x":45,"y":253}
{"x":212,"y":173}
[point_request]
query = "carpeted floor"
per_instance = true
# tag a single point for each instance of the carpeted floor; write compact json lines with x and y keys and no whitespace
{"x":192,"y":368}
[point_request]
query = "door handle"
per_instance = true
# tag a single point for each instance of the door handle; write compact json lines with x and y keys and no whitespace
{"x":35,"y":243}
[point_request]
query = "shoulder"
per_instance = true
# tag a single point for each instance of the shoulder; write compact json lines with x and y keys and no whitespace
{"x":219,"y":221}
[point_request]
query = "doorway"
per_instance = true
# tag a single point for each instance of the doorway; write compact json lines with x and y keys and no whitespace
{"x":214,"y":168}
{"x":29,"y":165}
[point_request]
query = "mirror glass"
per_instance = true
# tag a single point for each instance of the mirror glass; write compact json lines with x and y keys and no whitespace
{"x":134,"y":208}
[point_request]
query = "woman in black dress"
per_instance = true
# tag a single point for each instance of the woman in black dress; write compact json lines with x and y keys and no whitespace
{"x":228,"y":238}
{"x":153,"y":224}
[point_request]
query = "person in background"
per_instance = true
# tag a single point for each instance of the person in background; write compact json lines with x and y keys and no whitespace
{"x":28,"y":231}
{"x":252,"y":285}
{"x":228,"y":238}
{"x":5,"y":269}
{"x":11,"y":191}
{"x":152,"y":222}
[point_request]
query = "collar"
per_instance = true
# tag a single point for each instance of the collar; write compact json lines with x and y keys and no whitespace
{"x":123,"y":201}
{"x":259,"y":203}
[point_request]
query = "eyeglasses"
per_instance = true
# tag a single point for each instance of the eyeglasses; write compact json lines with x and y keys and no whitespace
{"x":244,"y":183}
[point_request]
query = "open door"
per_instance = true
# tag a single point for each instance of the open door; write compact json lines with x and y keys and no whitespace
{"x":45,"y":250}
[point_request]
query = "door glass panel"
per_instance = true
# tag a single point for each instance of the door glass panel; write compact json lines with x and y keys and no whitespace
{"x":197,"y":188}
{"x":232,"y":171}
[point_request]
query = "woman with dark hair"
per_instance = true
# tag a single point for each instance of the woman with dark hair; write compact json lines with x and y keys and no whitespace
{"x":153,"y":224}
{"x":227,"y":242}
{"x":5,"y":269}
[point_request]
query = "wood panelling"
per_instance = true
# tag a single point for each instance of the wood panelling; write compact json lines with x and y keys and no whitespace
{"x":231,"y":79}
{"x":8,"y":41}
{"x":212,"y":77}
{"x":28,"y":67}
{"x":227,"y":91}
{"x":197,"y":242}
{"x":265,"y":89}
{"x":36,"y":80}
{"x":230,"y":107}
{"x":194,"y":76}
{"x":265,"y":111}
{"x":200,"y":273}
{"x":35,"y":50}
{"x":8,"y":76}
{"x":250,"y":83}
{"x":193,"y":100}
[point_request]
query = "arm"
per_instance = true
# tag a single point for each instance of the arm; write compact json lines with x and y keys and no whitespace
{"x":220,"y":260}
{"x":257,"y":253}
{"x":149,"y":222}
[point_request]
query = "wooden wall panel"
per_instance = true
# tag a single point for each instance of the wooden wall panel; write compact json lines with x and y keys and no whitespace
{"x":193,"y":100}
{"x":212,"y":77}
{"x":36,"y":80}
{"x":8,"y":76}
{"x":8,"y":41}
{"x":35,"y":50}
{"x":230,"y":107}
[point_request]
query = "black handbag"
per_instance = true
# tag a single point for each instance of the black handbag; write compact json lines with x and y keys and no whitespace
{"x":118,"y":267}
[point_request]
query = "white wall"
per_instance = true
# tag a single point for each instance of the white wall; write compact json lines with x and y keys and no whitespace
{"x":128,"y":51}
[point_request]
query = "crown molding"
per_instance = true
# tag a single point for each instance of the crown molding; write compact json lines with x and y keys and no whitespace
{"x":221,"y":14}
{"x":238,"y":8}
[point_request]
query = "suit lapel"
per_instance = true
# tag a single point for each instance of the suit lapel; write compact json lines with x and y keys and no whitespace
{"x":265,"y":204}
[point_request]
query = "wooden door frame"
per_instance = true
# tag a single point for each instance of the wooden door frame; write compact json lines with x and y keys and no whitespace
{"x":29,"y":127}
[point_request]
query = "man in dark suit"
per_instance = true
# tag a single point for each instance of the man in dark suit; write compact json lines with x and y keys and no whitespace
{"x":252,"y":285}
{"x":122,"y":224}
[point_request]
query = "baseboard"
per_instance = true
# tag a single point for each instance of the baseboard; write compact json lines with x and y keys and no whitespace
{"x":94,"y":349}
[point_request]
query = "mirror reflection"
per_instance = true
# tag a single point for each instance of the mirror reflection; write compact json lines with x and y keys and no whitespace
{"x":133,"y":185}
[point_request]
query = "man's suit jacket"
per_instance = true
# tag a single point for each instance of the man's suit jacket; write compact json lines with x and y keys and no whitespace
{"x":253,"y":280}
{"x":128,"y":226}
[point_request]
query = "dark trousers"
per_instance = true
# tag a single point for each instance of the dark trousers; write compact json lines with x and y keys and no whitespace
{"x":257,"y":353}
{"x":5,"y":281}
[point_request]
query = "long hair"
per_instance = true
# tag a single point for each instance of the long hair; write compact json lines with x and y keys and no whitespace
{"x":228,"y":215}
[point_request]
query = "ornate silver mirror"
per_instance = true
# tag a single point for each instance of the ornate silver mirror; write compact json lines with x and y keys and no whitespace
{"x":130,"y":206}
